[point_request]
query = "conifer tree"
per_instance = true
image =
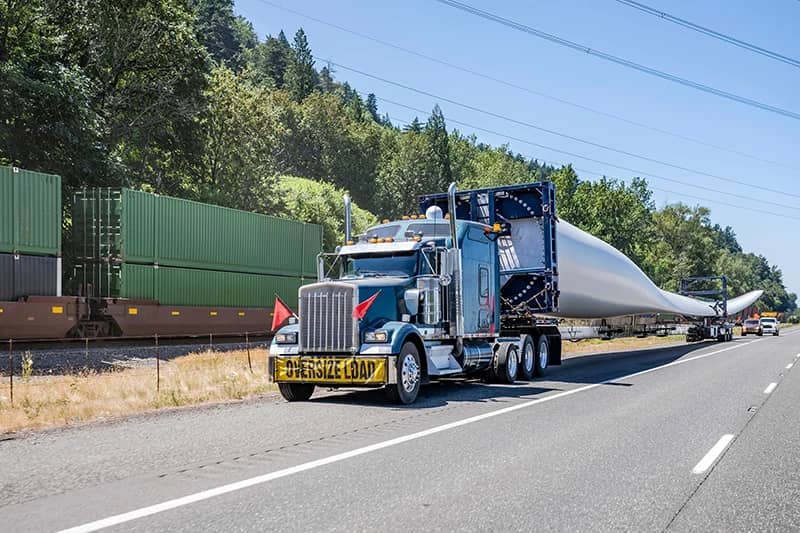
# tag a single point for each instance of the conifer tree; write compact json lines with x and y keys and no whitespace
{"x":301,"y":78}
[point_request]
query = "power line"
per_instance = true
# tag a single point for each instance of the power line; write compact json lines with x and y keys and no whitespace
{"x":650,"y":186}
{"x":558,"y":133}
{"x":711,"y":33}
{"x":599,"y":161}
{"x":618,"y":60}
{"x":526,"y":89}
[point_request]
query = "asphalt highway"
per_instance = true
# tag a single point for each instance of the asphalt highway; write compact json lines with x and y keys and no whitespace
{"x":700,"y":437}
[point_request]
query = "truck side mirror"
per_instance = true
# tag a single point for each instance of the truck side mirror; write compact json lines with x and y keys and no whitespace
{"x":412,"y":298}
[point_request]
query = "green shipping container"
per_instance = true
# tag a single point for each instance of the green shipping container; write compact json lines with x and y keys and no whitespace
{"x":122,"y":225}
{"x":184,"y":286}
{"x":30,"y":212}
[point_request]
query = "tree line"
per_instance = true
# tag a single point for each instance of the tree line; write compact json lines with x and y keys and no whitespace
{"x":182,"y":97}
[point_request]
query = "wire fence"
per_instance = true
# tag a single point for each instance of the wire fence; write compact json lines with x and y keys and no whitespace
{"x":156,"y":362}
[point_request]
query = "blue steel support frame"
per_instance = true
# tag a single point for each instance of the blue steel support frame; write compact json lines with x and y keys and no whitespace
{"x":504,"y":205}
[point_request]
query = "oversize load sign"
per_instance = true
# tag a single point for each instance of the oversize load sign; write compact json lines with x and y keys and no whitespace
{"x":353,"y":370}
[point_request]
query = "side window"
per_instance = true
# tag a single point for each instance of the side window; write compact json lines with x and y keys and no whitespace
{"x":483,"y":282}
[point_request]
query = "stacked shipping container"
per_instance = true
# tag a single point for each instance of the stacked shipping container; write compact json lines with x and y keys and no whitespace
{"x":132,"y":244}
{"x":30,"y":234}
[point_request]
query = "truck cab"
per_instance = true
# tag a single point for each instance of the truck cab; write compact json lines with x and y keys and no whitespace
{"x":410,"y":301}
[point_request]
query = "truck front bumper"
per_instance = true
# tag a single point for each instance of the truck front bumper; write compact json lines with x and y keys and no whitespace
{"x":334,"y":370}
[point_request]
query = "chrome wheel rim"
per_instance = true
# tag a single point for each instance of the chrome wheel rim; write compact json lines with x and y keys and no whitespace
{"x":528,"y":357}
{"x":409,"y":373}
{"x":511,"y":362}
{"x":543,"y":356}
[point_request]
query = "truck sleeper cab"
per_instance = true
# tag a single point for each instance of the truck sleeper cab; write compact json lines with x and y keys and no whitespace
{"x":409,"y":303}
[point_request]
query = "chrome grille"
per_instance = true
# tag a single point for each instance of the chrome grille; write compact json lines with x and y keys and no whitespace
{"x":326,"y":317}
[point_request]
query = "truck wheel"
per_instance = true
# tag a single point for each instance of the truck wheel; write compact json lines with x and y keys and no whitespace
{"x":527,"y":358}
{"x":409,"y":376}
{"x":744,"y":334}
{"x":296,"y":392}
{"x":542,"y":356}
{"x":506,"y":363}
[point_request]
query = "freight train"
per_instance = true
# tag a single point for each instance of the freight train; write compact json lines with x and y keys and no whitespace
{"x":141,"y":264}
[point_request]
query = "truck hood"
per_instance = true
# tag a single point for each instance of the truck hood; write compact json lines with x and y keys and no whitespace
{"x":390,"y":304}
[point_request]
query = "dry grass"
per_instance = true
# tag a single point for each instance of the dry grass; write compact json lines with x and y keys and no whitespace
{"x":41,"y":402}
{"x":626,"y":343}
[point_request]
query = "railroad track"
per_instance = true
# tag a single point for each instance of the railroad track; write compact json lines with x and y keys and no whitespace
{"x":75,"y":355}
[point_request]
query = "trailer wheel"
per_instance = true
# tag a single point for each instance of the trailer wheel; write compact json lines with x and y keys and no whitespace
{"x":527,"y":358}
{"x":542,"y":356}
{"x":296,"y":392}
{"x":409,"y":376}
{"x":506,"y":364}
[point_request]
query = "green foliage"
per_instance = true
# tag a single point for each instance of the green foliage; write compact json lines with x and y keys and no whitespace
{"x":321,"y":203}
{"x":181,"y":97}
{"x":240,"y":131}
{"x":225,"y":37}
{"x":269,"y":60}
{"x":300,"y":77}
{"x":406,"y":170}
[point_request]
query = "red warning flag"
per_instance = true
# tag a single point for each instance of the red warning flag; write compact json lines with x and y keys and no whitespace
{"x":361,"y":309}
{"x":280,"y":313}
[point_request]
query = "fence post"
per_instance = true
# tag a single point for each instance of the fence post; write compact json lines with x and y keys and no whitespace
{"x":210,"y":342}
{"x":11,"y":370}
{"x":247,"y":344}
{"x":86,"y":351}
{"x":158,"y":367}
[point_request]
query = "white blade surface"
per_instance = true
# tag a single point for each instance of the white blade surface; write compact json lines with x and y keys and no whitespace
{"x":597,"y":280}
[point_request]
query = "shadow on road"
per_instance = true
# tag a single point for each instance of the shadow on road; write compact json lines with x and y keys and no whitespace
{"x":580,"y":370}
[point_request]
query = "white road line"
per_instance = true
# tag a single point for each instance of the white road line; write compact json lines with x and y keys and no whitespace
{"x":709,"y":458}
{"x":265,"y":478}
{"x":790,"y":365}
{"x":770,"y":388}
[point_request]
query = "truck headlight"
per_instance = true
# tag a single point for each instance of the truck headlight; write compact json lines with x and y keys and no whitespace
{"x":379,"y":335}
{"x":286,"y":338}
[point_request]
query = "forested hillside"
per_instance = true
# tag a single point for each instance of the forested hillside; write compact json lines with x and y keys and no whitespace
{"x":182,"y":97}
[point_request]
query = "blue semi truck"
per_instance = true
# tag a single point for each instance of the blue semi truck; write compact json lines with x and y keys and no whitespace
{"x":455,"y":291}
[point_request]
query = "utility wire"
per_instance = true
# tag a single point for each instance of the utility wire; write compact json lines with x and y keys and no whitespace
{"x":558,"y":133}
{"x":711,"y":33}
{"x":650,"y":186}
{"x":618,"y":60}
{"x":599,"y":161}
{"x":528,"y":90}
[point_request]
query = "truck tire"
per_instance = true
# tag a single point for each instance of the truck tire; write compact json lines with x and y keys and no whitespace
{"x":296,"y":392}
{"x":527,"y":358}
{"x":506,"y":363}
{"x":409,"y":376}
{"x":542,"y":356}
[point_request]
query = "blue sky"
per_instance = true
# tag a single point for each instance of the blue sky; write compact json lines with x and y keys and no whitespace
{"x":434,"y":29}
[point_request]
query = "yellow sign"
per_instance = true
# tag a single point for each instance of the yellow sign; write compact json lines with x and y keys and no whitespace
{"x":133,"y":311}
{"x":57,"y":310}
{"x":339,"y":370}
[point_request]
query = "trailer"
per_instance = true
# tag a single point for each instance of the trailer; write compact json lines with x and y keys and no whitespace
{"x":717,"y":327}
{"x":472,"y":286}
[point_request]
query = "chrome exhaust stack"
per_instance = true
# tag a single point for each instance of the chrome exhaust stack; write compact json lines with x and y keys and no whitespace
{"x":459,"y":299}
{"x":348,"y":230}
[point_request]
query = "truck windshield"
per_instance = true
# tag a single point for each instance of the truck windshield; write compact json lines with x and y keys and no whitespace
{"x":393,"y":264}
